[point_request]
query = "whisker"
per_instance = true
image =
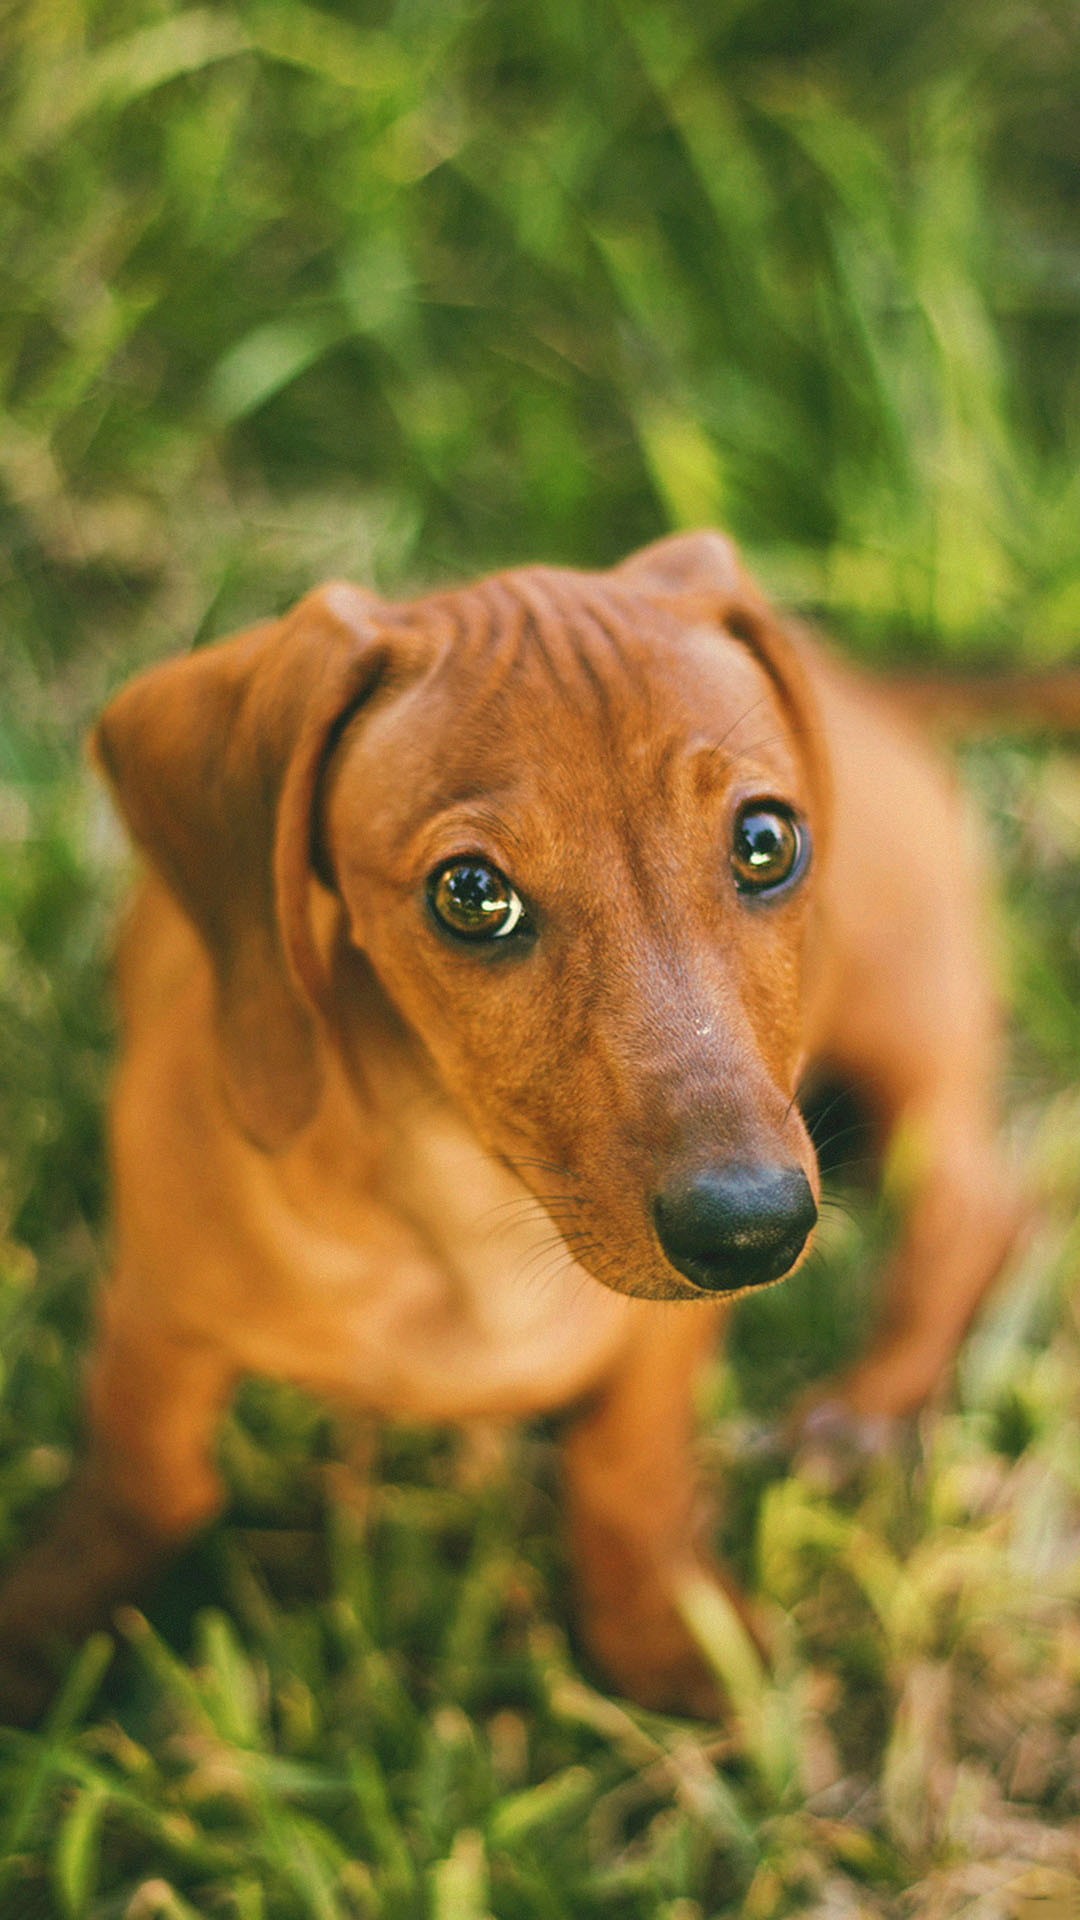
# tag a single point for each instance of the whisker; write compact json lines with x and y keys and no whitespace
{"x":558,"y":1243}
{"x":831,"y":1203}
{"x":844,"y":1166}
{"x":856,"y":1128}
{"x":752,"y":708}
{"x":540,"y":1282}
{"x":771,"y":740}
{"x":524,"y":1203}
{"x":541,"y":1279}
{"x":532,"y":1214}
{"x":820,"y":1118}
{"x":547,"y":1166}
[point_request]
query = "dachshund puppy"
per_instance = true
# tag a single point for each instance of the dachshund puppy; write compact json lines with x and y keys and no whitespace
{"x":495,"y":934}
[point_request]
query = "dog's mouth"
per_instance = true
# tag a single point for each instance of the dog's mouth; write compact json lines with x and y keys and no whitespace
{"x":718,"y":1229}
{"x":681,"y":1260}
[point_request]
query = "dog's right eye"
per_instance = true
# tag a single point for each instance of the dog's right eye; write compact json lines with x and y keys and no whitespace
{"x":474,"y":900}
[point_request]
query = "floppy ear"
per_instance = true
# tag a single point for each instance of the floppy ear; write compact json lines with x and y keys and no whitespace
{"x":215,"y":760}
{"x":703,"y":572}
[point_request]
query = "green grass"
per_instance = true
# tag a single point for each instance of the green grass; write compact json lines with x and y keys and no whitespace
{"x":403,"y":290}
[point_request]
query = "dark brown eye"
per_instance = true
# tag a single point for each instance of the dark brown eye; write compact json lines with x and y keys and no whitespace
{"x":474,"y":900}
{"x":769,"y":847}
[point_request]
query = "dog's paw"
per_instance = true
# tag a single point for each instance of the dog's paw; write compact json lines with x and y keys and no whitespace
{"x":666,"y":1670}
{"x":654,"y":1651}
{"x":833,"y":1442}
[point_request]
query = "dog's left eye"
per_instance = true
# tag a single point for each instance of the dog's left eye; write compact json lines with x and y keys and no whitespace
{"x":769,"y":847}
{"x":474,"y":900}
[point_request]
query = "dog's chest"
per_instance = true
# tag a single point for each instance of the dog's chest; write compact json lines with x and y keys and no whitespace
{"x":445,"y":1293}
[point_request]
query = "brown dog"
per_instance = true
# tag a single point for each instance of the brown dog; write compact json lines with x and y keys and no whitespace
{"x":486,"y":944}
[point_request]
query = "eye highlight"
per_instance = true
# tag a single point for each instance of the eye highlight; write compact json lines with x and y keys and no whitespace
{"x":769,"y":847}
{"x":474,"y":900}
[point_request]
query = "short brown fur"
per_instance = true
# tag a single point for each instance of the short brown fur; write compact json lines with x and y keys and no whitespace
{"x":353,"y":1152}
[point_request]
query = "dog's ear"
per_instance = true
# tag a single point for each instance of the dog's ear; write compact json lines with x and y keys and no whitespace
{"x":703,"y":562}
{"x":703,"y":574}
{"x":215,"y":759}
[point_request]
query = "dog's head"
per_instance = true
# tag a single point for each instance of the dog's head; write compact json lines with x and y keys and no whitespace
{"x":572,"y":821}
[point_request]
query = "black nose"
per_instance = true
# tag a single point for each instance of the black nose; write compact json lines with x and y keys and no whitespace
{"x":731,"y":1227}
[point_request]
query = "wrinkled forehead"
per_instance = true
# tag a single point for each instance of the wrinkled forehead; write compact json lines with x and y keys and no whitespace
{"x":548,"y":688}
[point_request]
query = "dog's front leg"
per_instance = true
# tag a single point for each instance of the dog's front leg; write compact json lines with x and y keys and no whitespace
{"x":636,"y":1512}
{"x":962,"y":1215}
{"x":148,"y":1482}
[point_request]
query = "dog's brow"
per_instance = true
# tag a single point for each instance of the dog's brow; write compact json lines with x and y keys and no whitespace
{"x":497,"y":825}
{"x":456,"y":827}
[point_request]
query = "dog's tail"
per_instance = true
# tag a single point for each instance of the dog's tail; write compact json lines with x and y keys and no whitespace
{"x":966,"y":705}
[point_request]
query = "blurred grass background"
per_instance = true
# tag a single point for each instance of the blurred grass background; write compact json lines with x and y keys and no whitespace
{"x":402,"y":290}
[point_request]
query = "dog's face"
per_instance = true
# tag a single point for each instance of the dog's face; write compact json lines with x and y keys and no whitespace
{"x":575,"y":843}
{"x":573,"y":822}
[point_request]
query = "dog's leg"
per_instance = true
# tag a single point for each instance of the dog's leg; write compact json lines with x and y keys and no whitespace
{"x":962,"y":1215}
{"x":635,"y":1512}
{"x":149,"y":1481}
